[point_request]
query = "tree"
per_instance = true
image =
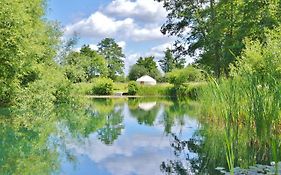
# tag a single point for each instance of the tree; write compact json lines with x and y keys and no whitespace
{"x":216,"y":29}
{"x":96,"y":65}
{"x":26,"y":41}
{"x":144,"y":66}
{"x":169,"y":62}
{"x":136,"y":72}
{"x":113,"y":55}
{"x":84,"y":65}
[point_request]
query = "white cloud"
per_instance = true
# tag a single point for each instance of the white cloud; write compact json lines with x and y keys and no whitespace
{"x":122,"y":44}
{"x":93,"y":46}
{"x":100,"y":152}
{"x":144,"y":34}
{"x":99,"y":25}
{"x":144,"y":10}
{"x":158,"y":51}
{"x":130,"y":60}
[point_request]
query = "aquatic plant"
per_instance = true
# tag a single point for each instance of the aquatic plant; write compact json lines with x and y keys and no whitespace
{"x":250,"y":97}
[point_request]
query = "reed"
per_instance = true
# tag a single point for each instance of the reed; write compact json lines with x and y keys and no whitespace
{"x":250,"y":97}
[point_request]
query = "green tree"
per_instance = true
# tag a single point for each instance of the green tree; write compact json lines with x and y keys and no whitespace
{"x":26,"y":40}
{"x":136,"y":72}
{"x":84,"y":65}
{"x":169,"y":62}
{"x":150,"y":66}
{"x":216,"y":29}
{"x":113,"y":55}
{"x":96,"y":65}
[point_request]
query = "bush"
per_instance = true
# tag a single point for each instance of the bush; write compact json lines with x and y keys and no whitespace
{"x":190,"y":90}
{"x":83,"y":88}
{"x":158,"y":90}
{"x":133,"y":88}
{"x":181,"y":76}
{"x":102,"y":86}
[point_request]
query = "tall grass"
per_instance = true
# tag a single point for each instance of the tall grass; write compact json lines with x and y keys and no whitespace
{"x":250,"y":97}
{"x":251,"y":101}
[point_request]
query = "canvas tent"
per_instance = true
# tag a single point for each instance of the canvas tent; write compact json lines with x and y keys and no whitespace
{"x":146,"y":80}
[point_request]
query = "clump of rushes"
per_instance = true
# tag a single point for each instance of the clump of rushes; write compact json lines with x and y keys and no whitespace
{"x":251,"y":95}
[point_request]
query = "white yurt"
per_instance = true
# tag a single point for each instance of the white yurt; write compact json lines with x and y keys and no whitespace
{"x":146,"y":80}
{"x":147,"y":106}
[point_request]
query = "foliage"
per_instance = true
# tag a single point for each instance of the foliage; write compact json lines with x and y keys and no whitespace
{"x":75,"y":74}
{"x":120,"y":87}
{"x":169,"y":62}
{"x":251,"y":97}
{"x":157,"y":90}
{"x":97,"y":64}
{"x":257,"y":169}
{"x":136,"y":71}
{"x":187,"y":90}
{"x":84,"y":65}
{"x":144,"y":66}
{"x":102,"y":86}
{"x":133,"y":88}
{"x":181,"y":76}
{"x":26,"y":40}
{"x":83,"y":88}
{"x":216,"y":29}
{"x":50,"y":88}
{"x":113,"y":55}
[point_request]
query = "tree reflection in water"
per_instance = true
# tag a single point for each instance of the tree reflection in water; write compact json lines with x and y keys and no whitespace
{"x":112,"y":128}
{"x":180,"y":165}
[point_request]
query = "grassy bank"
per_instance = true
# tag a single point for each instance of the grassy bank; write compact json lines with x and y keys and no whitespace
{"x":189,"y":90}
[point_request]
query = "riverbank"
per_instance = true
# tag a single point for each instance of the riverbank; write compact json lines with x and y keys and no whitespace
{"x":124,"y":96}
{"x":120,"y":90}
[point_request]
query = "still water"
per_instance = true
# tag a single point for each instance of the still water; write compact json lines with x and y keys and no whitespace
{"x":133,"y":137}
{"x":126,"y":137}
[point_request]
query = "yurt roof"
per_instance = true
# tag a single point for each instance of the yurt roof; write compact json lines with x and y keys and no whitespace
{"x":146,"y":78}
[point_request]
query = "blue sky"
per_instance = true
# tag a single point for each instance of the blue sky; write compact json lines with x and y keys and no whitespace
{"x":134,"y":24}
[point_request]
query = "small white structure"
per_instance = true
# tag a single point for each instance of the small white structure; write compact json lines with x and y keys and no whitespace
{"x":147,"y":106}
{"x":146,"y":80}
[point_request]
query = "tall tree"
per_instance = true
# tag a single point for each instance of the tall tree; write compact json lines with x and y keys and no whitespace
{"x":214,"y":30}
{"x":113,"y":54}
{"x":169,"y":62}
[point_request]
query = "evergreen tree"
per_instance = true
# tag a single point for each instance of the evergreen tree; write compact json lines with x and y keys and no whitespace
{"x":113,"y":55}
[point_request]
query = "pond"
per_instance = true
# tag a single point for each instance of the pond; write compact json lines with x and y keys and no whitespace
{"x":126,"y":136}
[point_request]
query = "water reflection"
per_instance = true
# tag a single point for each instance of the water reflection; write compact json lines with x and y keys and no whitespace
{"x":130,"y":138}
{"x":147,"y":106}
{"x":123,"y":137}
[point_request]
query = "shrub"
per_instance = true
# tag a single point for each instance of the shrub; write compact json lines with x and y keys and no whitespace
{"x":133,"y":88}
{"x":83,"y":88}
{"x":102,"y":86}
{"x":180,"y":76}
